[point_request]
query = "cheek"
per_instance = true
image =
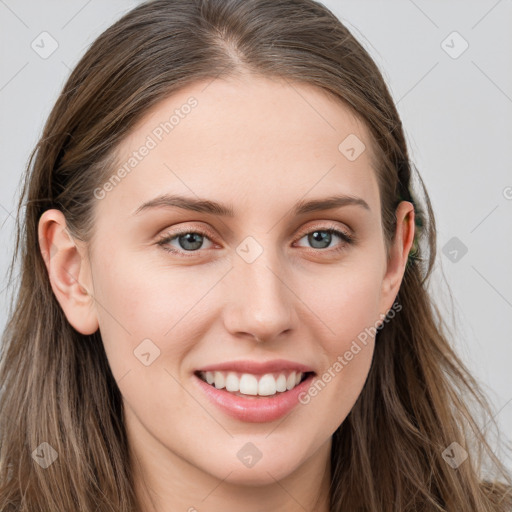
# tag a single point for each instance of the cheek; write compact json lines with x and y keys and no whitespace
{"x":346,"y":300}
{"x":136,"y":303}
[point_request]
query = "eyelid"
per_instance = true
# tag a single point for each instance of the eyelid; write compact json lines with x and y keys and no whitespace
{"x":325,"y":226}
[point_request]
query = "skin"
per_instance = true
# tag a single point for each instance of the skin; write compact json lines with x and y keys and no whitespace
{"x":259,"y":145}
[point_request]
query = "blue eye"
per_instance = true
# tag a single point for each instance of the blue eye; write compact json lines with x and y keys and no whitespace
{"x":322,"y":238}
{"x":191,"y":241}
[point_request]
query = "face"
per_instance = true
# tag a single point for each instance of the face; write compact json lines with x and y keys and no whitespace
{"x":268,"y":287}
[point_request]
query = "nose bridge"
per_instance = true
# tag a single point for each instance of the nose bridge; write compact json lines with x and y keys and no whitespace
{"x":261,"y":303}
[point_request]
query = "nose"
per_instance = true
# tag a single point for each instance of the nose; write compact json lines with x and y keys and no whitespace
{"x":260,"y":305}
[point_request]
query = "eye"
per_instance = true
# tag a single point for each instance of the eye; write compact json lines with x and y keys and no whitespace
{"x":320,"y":238}
{"x":186,"y":241}
{"x":192,"y":241}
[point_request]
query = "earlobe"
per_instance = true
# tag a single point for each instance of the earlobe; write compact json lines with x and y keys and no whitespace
{"x":68,"y":271}
{"x":398,"y":253}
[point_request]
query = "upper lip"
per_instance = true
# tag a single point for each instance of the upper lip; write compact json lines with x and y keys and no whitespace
{"x":257,"y":367}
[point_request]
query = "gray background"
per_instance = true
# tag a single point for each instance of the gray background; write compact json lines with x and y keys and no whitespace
{"x":456,"y":108}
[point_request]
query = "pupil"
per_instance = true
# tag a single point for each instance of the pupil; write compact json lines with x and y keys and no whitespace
{"x":188,"y":238}
{"x":320,"y":236}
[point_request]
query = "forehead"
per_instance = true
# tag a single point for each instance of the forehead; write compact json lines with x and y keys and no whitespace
{"x":247,"y":137}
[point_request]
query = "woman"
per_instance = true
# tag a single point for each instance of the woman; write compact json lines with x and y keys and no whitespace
{"x":223,"y":301}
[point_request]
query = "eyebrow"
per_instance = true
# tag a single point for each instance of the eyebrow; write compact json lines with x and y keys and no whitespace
{"x":215,"y":208}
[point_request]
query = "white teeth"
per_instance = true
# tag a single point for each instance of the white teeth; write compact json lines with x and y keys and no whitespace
{"x":219,"y":380}
{"x":248,"y":384}
{"x":267,"y":385}
{"x":290,"y":381}
{"x":232,"y":382}
{"x":281,"y":383}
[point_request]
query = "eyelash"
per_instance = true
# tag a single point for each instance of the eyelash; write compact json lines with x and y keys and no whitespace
{"x":169,"y":237}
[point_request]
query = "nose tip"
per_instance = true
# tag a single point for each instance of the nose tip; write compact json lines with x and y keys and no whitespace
{"x":261,"y":304}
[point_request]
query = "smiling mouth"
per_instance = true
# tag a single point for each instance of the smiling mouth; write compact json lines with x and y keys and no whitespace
{"x":249,"y":385}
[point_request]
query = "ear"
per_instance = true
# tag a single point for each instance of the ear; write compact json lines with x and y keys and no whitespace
{"x":68,"y":271}
{"x":398,"y":255}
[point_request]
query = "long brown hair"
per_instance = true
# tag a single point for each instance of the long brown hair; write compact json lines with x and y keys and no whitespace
{"x":390,"y":452}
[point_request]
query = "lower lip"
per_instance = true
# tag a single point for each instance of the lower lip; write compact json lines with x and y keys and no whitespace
{"x":255,"y":409}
